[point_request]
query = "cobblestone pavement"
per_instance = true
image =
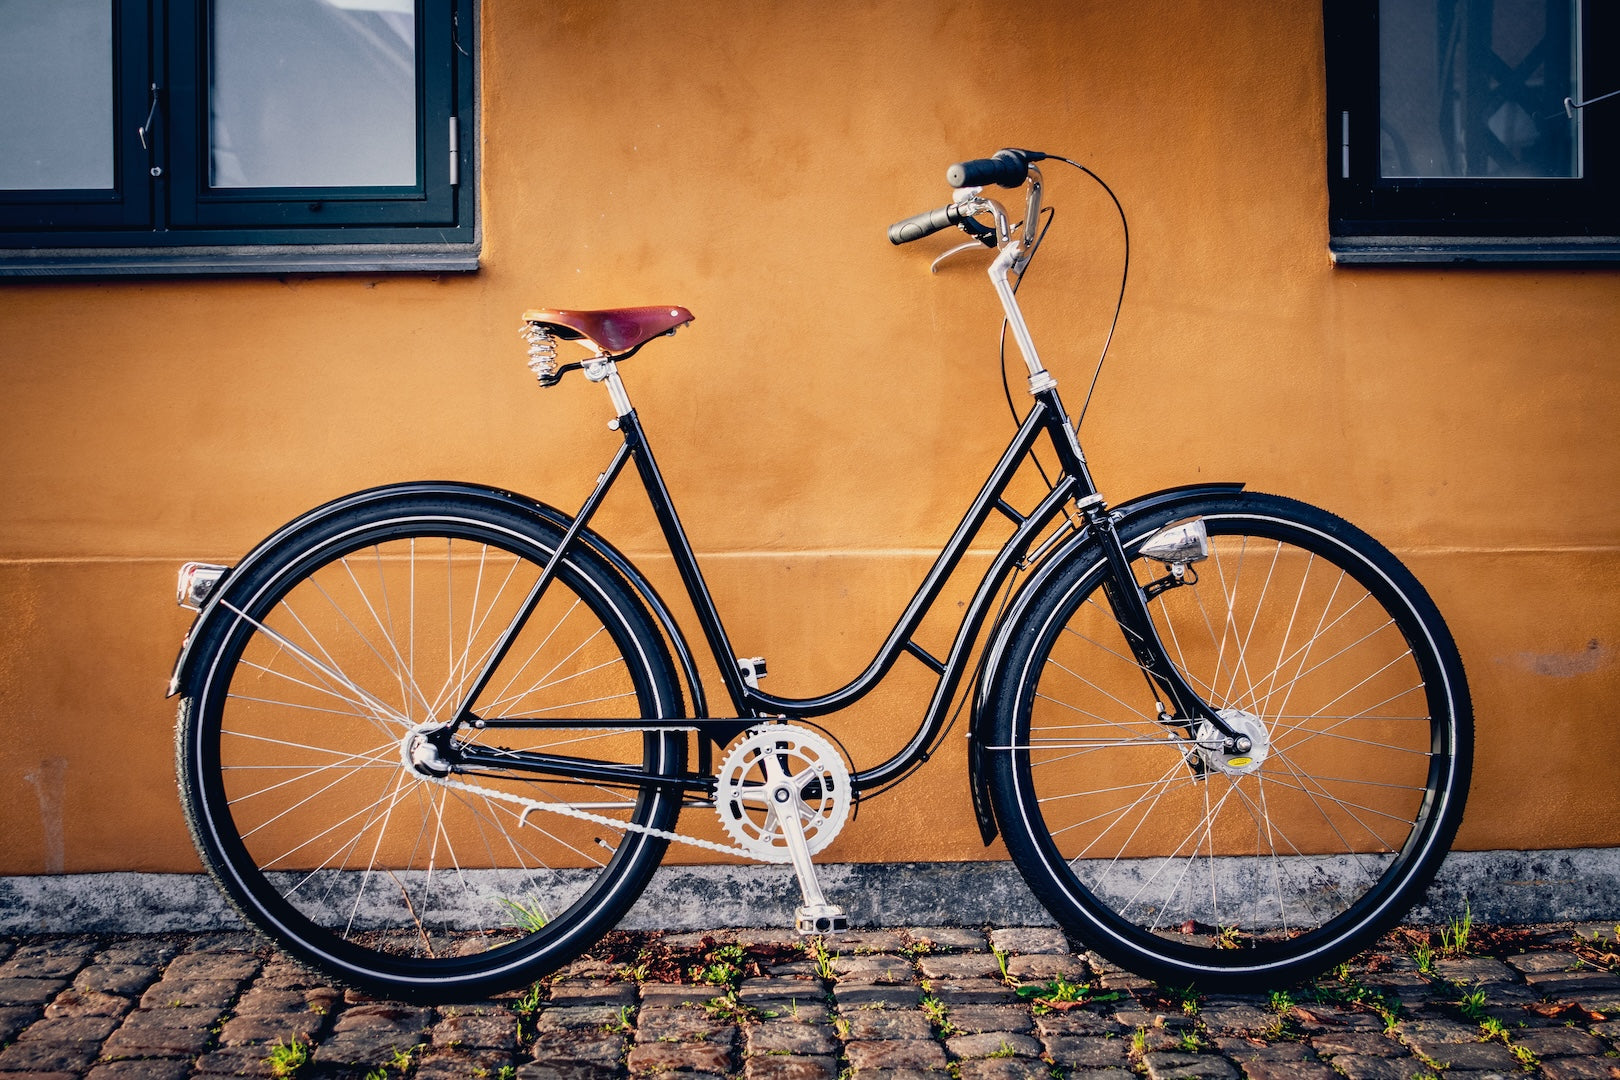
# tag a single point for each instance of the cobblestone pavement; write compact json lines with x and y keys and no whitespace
{"x":916,"y":1004}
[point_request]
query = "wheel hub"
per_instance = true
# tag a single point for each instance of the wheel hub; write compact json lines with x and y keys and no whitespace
{"x":423,"y":750}
{"x":1235,"y":760}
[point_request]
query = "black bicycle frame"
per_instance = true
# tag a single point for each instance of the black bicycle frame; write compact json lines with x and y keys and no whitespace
{"x":1074,"y":485}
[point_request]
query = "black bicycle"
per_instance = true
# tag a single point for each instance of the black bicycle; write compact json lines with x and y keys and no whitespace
{"x":435,"y":737}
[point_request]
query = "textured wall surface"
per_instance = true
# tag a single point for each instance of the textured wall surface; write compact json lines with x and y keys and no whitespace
{"x":833,"y":407}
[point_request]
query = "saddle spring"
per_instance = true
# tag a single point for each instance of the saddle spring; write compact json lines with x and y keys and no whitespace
{"x":542,"y":353}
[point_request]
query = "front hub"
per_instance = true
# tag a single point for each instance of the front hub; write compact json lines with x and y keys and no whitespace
{"x":1233,"y":760}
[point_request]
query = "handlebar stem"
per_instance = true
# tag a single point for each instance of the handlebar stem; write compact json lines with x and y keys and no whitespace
{"x":1011,"y":257}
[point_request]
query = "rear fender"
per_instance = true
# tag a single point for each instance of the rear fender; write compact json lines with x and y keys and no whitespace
{"x":1000,"y":634}
{"x":495,"y":497}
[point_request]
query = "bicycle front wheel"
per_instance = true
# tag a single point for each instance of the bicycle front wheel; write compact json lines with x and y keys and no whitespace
{"x":324,"y":792}
{"x":1189,"y":864}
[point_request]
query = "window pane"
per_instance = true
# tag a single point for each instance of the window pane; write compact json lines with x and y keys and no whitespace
{"x":312,"y":93}
{"x":1476,"y":88}
{"x":56,"y":83}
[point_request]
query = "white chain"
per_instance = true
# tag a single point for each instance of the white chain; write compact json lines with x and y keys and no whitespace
{"x":585,"y":815}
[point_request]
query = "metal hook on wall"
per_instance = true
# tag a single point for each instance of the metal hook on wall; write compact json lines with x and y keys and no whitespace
{"x":1570,"y":104}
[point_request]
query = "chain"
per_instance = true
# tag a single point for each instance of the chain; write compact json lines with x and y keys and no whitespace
{"x":585,"y":815}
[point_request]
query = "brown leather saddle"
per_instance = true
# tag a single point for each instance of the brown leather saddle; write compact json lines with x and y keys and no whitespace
{"x":615,"y":331}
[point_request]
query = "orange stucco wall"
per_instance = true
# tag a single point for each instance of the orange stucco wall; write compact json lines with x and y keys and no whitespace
{"x":834,"y":406}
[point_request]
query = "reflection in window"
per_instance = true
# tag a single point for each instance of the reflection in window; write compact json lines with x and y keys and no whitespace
{"x":312,"y":93}
{"x":56,"y":94}
{"x":1476,"y":88}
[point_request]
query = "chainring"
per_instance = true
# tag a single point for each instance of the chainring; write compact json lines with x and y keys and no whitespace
{"x":815,"y":780}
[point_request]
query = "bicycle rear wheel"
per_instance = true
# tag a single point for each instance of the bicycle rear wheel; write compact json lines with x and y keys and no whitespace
{"x":1190,"y":865}
{"x":319,"y":803}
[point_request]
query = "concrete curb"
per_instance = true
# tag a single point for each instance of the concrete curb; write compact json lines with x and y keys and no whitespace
{"x":1499,"y":886}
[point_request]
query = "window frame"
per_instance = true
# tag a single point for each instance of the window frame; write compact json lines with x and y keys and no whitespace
{"x":174,"y":224}
{"x":1464,"y":219}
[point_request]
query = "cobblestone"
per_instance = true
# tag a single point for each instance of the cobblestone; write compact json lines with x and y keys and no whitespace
{"x":901,"y":1004}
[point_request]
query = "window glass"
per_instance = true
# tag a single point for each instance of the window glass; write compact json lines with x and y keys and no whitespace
{"x":312,"y":93}
{"x":1476,"y":88}
{"x":56,"y":86}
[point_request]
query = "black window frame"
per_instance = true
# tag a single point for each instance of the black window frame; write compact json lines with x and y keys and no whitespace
{"x":1374,"y":219}
{"x":162,"y":218}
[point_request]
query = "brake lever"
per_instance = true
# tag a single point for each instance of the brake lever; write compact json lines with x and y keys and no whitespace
{"x":983,"y":236}
{"x":971,"y":245}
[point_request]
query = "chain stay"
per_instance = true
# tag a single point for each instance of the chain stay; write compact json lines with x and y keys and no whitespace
{"x":585,"y":815}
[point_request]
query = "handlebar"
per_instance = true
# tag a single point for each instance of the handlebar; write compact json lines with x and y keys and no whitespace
{"x":1008,"y":168}
{"x":924,"y":224}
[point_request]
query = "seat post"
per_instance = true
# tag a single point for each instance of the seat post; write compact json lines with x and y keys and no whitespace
{"x":605,"y":370}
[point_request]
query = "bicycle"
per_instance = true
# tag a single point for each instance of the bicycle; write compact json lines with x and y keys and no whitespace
{"x":435,"y":737}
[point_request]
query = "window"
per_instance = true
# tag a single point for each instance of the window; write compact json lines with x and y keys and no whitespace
{"x":173,"y":136}
{"x":1449,"y":135}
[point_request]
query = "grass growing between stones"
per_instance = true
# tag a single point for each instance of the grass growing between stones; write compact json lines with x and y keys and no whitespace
{"x":287,"y":1057}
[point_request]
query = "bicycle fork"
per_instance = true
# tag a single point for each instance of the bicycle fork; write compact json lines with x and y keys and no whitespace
{"x":1178,"y":548}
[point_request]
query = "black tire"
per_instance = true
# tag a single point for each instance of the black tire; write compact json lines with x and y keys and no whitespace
{"x":292,"y":747}
{"x":1235,"y":873}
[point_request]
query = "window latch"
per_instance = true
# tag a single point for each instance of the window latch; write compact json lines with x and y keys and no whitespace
{"x":151,"y":113}
{"x":1570,"y":104}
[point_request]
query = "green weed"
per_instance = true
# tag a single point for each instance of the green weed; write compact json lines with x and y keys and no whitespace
{"x":1352,"y":992}
{"x":729,"y":1010}
{"x":1004,"y":1051}
{"x":527,"y":1007}
{"x":1472,"y":1004}
{"x":723,"y":966}
{"x":1455,"y":935}
{"x":1424,"y":955}
{"x":528,"y":916}
{"x":938,"y":1015}
{"x":1061,"y":991}
{"x":823,"y":960}
{"x":1185,"y":996}
{"x":621,"y":1022}
{"x":286,"y":1058}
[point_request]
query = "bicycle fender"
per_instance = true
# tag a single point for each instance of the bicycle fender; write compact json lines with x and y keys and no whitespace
{"x":995,"y":645}
{"x":481,"y":492}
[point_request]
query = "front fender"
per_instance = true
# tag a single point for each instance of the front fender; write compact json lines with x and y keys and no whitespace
{"x":996,"y":644}
{"x":495,"y":497}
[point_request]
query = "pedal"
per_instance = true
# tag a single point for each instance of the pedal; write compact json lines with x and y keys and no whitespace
{"x":820,"y":919}
{"x":752,"y":669}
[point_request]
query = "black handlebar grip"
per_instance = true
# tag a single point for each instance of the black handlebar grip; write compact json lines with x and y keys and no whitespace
{"x":1008,"y":168}
{"x":918,"y":226}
